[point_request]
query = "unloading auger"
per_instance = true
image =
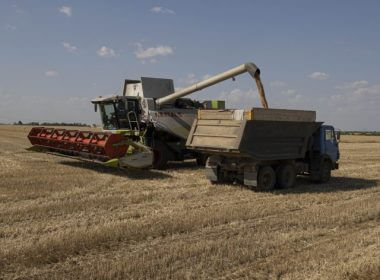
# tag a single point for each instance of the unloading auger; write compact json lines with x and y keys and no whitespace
{"x":146,"y":126}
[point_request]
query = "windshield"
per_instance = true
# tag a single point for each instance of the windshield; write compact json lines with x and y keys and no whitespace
{"x":108,"y":116}
{"x":116,"y":114}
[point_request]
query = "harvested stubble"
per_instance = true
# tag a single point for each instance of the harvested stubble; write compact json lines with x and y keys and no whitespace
{"x":66,"y":219}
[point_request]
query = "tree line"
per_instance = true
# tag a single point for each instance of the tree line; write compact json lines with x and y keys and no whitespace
{"x":54,"y":124}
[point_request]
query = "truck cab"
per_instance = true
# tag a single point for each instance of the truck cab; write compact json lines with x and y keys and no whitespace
{"x":326,"y":143}
{"x":325,"y":153}
{"x":330,"y":143}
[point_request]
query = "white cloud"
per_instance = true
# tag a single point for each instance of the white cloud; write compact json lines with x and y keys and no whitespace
{"x":238,"y":98}
{"x":289,"y":99}
{"x":69,"y":47}
{"x":286,"y":99}
{"x":189,"y":79}
{"x":355,"y":105}
{"x":10,"y":27}
{"x":319,"y":76}
{"x":106,"y":52}
{"x":277,"y":84}
{"x":161,"y":10}
{"x":206,"y":76}
{"x":151,"y":52}
{"x":353,"y":85}
{"x":51,"y":73}
{"x":66,"y":10}
{"x":288,"y":92}
{"x":17,"y":9}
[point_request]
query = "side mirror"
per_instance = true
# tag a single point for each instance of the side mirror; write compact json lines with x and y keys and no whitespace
{"x":96,"y":107}
{"x":338,"y":136}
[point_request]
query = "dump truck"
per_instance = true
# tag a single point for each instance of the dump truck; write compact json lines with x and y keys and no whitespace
{"x":264,"y":148}
{"x":145,"y":126}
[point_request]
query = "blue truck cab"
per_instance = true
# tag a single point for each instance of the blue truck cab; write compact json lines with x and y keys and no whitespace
{"x":325,"y":153}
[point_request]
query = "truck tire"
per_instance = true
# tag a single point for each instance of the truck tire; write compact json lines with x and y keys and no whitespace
{"x":286,"y":176}
{"x":218,"y":180}
{"x":266,"y":179}
{"x":322,"y":175}
{"x":325,"y":172}
{"x":160,"y":155}
{"x":201,"y":159}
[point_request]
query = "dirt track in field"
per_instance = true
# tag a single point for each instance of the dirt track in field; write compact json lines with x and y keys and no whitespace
{"x":66,"y":219}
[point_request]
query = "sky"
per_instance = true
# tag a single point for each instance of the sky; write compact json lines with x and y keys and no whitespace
{"x":55,"y":56}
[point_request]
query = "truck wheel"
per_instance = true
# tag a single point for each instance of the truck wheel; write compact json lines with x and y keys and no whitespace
{"x":266,"y":179}
{"x":201,"y":160}
{"x":323,"y":174}
{"x":219,"y":177}
{"x":286,"y":176}
{"x":160,"y":155}
{"x":325,"y":171}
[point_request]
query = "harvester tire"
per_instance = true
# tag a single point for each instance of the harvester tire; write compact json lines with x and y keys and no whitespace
{"x":160,"y":155}
{"x":266,"y":179}
{"x":286,"y":176}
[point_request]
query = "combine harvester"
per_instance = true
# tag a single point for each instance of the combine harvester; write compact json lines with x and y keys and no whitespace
{"x":146,"y":126}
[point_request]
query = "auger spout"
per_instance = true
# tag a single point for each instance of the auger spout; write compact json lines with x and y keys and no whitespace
{"x":249,"y":67}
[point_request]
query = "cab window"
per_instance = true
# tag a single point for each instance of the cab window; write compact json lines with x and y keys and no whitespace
{"x":108,"y":116}
{"x":329,"y":135}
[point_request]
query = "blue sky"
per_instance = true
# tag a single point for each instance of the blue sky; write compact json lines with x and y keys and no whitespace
{"x":321,"y":55}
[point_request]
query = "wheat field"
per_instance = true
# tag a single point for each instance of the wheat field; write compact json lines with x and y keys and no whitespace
{"x":66,"y":219}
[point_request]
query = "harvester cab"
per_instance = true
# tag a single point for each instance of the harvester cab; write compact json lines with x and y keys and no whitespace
{"x":147,"y":125}
{"x":131,"y":109}
{"x":118,"y":112}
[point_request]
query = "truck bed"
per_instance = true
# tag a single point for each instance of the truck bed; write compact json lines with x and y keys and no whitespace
{"x":236,"y":133}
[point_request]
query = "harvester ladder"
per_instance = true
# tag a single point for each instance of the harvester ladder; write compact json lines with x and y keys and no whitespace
{"x":133,"y":120}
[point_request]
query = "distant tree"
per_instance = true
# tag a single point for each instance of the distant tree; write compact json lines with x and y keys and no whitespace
{"x":19,"y":122}
{"x":64,"y":124}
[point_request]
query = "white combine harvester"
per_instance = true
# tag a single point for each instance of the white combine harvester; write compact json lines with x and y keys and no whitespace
{"x":146,"y":126}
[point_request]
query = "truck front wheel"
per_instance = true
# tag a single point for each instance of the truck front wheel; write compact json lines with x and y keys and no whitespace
{"x":322,"y":175}
{"x":266,"y":179}
{"x":286,"y":176}
{"x":325,"y":171}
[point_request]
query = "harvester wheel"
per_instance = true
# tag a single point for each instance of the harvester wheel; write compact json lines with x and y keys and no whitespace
{"x":286,"y":176}
{"x":160,"y":155}
{"x":266,"y":179}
